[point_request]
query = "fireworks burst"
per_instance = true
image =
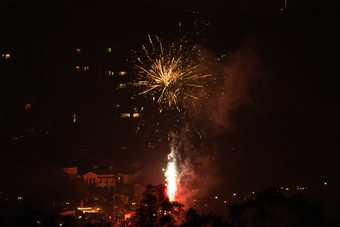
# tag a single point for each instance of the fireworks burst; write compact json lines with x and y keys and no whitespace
{"x":170,"y":75}
{"x":173,"y":75}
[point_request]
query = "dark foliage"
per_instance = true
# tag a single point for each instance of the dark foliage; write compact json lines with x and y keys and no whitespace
{"x":155,"y":208}
{"x":37,"y":197}
{"x":272,"y":208}
{"x":194,"y":219}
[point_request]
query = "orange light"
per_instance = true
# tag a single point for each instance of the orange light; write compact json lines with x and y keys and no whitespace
{"x":125,"y":115}
{"x":136,"y":115}
{"x":122,"y":85}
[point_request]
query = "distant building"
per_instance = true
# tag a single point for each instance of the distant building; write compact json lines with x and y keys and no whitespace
{"x":97,"y":97}
{"x":103,"y":180}
{"x":101,"y":177}
{"x":68,"y":213}
{"x":106,"y":70}
{"x":71,"y":171}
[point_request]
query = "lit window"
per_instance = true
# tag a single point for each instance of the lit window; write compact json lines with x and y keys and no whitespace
{"x":125,"y":115}
{"x":86,"y":68}
{"x":122,"y":73}
{"x":109,"y":50}
{"x":78,"y":50}
{"x":109,"y":73}
{"x":74,"y":116}
{"x":78,"y":67}
{"x":122,"y":85}
{"x":5,"y":56}
{"x":27,"y":106}
{"x":136,"y":115}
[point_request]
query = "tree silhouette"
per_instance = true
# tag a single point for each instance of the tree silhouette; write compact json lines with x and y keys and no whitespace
{"x":155,"y":209}
{"x":193,"y":219}
{"x":272,"y":208}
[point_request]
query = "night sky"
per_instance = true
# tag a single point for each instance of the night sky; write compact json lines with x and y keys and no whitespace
{"x":277,"y":124}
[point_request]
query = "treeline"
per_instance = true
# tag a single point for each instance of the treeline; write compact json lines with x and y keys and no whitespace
{"x":268,"y":208}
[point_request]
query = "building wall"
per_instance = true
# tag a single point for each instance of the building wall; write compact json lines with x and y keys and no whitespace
{"x":100,"y":180}
{"x":70,"y":170}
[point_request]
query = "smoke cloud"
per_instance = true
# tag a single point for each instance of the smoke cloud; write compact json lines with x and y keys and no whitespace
{"x":225,"y":103}
{"x":229,"y":92}
{"x":196,"y":172}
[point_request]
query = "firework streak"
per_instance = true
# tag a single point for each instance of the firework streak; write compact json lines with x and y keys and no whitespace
{"x":170,"y":75}
{"x":172,"y":175}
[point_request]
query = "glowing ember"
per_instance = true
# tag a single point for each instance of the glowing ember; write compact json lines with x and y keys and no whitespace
{"x":171,"y":176}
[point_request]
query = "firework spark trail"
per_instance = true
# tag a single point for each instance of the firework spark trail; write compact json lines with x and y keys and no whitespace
{"x":171,"y":175}
{"x":171,"y":74}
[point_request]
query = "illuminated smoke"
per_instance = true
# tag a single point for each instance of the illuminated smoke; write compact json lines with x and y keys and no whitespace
{"x":237,"y":74}
{"x":189,"y":175}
